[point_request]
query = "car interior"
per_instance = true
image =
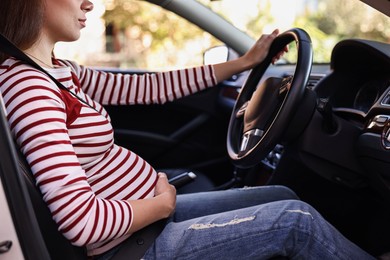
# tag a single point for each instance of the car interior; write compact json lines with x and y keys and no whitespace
{"x":324,"y":133}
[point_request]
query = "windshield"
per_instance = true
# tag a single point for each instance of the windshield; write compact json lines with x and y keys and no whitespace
{"x":326,"y":21}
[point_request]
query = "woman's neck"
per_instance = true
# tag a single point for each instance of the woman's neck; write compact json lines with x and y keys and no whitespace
{"x":41,"y":62}
{"x":41,"y":54}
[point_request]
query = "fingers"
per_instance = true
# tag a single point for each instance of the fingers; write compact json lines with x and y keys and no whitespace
{"x":163,"y":178}
{"x":268,"y":38}
{"x":162,"y":175}
{"x":163,"y":185}
{"x":279,"y":55}
{"x":162,"y":181}
{"x":259,"y":51}
{"x":275,"y":33}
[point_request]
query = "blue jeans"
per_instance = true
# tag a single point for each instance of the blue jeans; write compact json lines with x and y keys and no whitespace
{"x":251,"y":223}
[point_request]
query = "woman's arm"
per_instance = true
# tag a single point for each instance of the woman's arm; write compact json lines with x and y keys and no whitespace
{"x":252,"y":58}
{"x":158,"y":88}
{"x":154,"y":88}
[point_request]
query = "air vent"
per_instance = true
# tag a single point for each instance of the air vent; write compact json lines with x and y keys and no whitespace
{"x":386,"y":100}
{"x":313,"y":80}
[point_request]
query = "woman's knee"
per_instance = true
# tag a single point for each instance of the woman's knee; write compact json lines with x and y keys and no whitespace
{"x":290,"y":211}
{"x":286,"y":192}
{"x":274,"y":193}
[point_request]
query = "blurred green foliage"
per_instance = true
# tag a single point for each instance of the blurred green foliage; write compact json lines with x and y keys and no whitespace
{"x":145,"y":29}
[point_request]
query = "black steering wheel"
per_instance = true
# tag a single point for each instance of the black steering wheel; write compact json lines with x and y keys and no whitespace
{"x":262,"y":112}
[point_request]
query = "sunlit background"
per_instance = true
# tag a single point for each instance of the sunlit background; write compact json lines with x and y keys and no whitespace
{"x":91,"y":40}
{"x":136,"y":34}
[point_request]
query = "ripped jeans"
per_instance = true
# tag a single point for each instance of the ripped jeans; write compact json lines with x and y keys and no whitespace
{"x":252,"y":223}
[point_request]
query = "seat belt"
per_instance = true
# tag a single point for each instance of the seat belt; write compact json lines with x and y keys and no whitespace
{"x":7,"y":47}
{"x":138,"y":243}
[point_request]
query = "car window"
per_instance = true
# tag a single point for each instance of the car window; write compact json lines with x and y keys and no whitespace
{"x":137,"y":34}
{"x":326,"y":21}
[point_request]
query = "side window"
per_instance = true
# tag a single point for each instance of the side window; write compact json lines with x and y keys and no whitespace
{"x":136,"y":34}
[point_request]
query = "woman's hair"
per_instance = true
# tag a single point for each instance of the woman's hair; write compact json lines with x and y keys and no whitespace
{"x":21,"y":22}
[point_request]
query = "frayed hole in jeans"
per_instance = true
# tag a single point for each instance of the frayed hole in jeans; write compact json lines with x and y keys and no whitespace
{"x":235,"y":221}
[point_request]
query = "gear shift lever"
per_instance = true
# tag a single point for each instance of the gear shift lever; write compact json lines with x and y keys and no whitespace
{"x":182,"y":179}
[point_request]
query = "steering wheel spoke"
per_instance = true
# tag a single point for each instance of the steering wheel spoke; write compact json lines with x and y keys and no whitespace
{"x":249,"y":140}
{"x":241,"y":112}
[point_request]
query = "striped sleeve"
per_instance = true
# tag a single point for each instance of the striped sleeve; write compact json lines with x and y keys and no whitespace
{"x":156,"y":88}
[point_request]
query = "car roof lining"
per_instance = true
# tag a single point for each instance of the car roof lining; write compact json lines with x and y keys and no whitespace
{"x":219,"y":27}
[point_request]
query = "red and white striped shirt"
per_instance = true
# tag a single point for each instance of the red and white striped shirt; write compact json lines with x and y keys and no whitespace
{"x":84,"y":177}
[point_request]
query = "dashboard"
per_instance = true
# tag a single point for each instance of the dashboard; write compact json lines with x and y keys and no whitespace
{"x":358,"y":88}
{"x":357,"y":85}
